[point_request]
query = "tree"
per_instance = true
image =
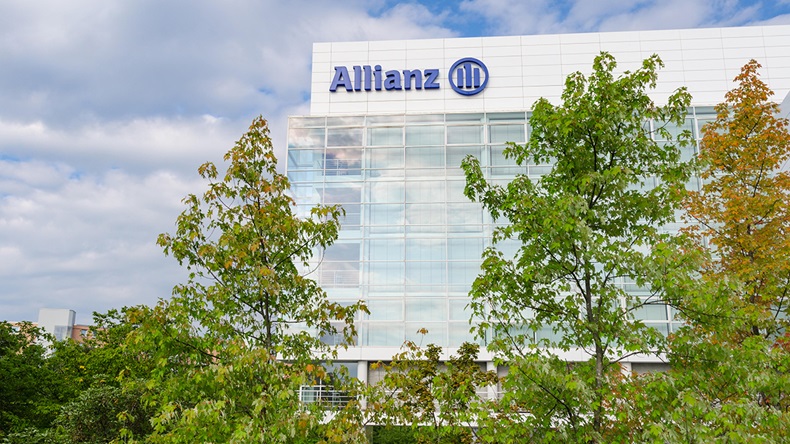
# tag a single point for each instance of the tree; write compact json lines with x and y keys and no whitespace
{"x":104,"y":413}
{"x":438,"y":401}
{"x":237,"y":341}
{"x":586,"y":227}
{"x":30,"y":393}
{"x":102,"y":357}
{"x":743,"y":210}
{"x":104,"y":378}
{"x":730,"y":375}
{"x":72,"y":391}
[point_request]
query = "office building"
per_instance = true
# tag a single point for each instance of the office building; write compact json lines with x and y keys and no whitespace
{"x":390,"y":122}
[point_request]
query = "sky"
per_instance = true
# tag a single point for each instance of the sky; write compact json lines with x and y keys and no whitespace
{"x":108,"y":107}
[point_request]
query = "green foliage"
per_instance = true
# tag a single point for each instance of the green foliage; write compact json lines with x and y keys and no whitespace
{"x":244,"y":245}
{"x":590,"y":224}
{"x":30,"y":392}
{"x":677,"y":407}
{"x":235,"y":343}
{"x":438,"y":400}
{"x":72,"y":391}
{"x":100,"y":380}
{"x":102,"y":358}
{"x":33,"y":435}
{"x":730,"y":379}
{"x":103,"y":413}
{"x":393,"y":435}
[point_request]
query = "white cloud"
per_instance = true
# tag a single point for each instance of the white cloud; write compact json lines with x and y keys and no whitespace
{"x":544,"y":16}
{"x":783,"y":19}
{"x":511,"y":18}
{"x":72,"y":61}
{"x":88,"y":242}
{"x":109,"y":107}
{"x":139,"y":144}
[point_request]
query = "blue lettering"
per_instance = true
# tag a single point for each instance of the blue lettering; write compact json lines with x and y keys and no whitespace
{"x":368,"y":77}
{"x":392,"y":81}
{"x":357,"y":78}
{"x":410,"y":75}
{"x":341,"y":79}
{"x":430,"y":79}
{"x":377,"y":77}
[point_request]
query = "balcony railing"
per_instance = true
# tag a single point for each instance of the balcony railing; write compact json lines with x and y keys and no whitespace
{"x":326,"y":395}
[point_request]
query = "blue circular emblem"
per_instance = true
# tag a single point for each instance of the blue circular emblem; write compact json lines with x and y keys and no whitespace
{"x":468,"y":76}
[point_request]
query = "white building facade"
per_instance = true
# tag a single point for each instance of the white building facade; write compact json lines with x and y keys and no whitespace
{"x":390,"y":122}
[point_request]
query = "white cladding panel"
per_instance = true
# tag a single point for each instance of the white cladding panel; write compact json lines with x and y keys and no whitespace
{"x":523,"y":69}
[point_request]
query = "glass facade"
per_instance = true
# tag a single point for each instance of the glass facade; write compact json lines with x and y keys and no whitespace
{"x":411,"y":242}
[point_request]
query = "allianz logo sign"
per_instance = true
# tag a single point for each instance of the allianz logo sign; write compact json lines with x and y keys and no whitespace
{"x":467,"y":76}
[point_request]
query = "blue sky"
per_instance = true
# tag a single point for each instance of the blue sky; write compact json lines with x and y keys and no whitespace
{"x":108,"y":107}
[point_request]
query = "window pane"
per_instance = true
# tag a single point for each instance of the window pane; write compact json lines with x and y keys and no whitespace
{"x":436,"y":333}
{"x":426,"y":309}
{"x":456,"y":154}
{"x":385,"y":174}
{"x":428,"y":273}
{"x":345,"y":121}
{"x":656,"y":312}
{"x":425,"y":214}
{"x":425,"y":191}
{"x":386,"y":214}
{"x":465,"y":248}
{"x":385,"y":334}
{"x":455,"y":191}
{"x":506,"y":133}
{"x":342,"y":195}
{"x":688,"y":153}
{"x":385,"y":310}
{"x":306,"y":122}
{"x":385,"y":136}
{"x":463,"y":273}
{"x":469,"y":215}
{"x":339,"y":274}
{"x":384,"y":120}
{"x":425,"y":135}
{"x":342,"y":251}
{"x":343,"y":162}
{"x":305,"y":137}
{"x":344,"y":137}
{"x":385,"y":249}
{"x":459,"y":333}
{"x":459,"y":310}
{"x":476,"y":117}
{"x":508,"y":247}
{"x":422,"y":157}
{"x":304,"y":176}
{"x":502,"y":117}
{"x":464,"y":134}
{"x":381,"y":191}
{"x":385,"y":273}
{"x":498,"y":157}
{"x":385,"y":158}
{"x":353,"y":217}
{"x":426,"y":249}
{"x":424,"y":118}
{"x":305,"y":159}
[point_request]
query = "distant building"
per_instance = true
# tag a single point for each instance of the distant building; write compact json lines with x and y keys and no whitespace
{"x":59,"y":322}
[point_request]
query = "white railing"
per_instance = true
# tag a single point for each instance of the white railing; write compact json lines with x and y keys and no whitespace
{"x":325,"y":395}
